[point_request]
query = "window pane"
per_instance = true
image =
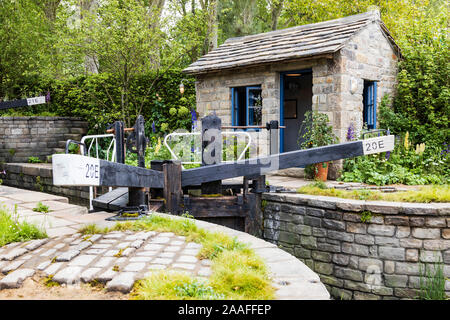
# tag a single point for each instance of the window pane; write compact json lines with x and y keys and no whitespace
{"x":254,"y":107}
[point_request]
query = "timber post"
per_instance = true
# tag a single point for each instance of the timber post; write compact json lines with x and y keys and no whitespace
{"x":211,"y":150}
{"x":173,"y":192}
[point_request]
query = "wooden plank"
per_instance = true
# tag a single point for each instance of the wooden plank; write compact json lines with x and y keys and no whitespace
{"x":73,"y":169}
{"x":22,"y":102}
{"x":172,"y":192}
{"x":263,"y":165}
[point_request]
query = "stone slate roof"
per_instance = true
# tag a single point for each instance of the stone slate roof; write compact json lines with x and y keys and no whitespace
{"x":295,"y":43}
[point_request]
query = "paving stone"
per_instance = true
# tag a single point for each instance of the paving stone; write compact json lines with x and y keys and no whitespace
{"x":12,"y":266}
{"x":166,"y":234}
{"x":75,"y":242}
{"x":108,"y":241}
{"x":136,"y":244}
{"x":83,"y":245}
{"x":53,"y":268}
{"x":164,"y":261}
{"x":177,"y":243}
{"x":82,"y":260}
{"x":43,"y":265}
{"x":95,"y":251}
{"x":188,"y":259}
{"x":106,"y":276}
{"x":15,"y":278}
{"x":104,"y":262}
{"x":68,"y":275}
{"x":101,"y":246}
{"x":172,"y":249}
{"x":14,"y":253}
{"x":132,"y":237}
{"x":167,"y":254}
{"x":34,"y":244}
{"x":185,"y":266}
{"x":160,"y":240}
{"x":147,"y":253}
{"x":153,"y":247}
{"x":59,"y":246}
{"x":69,"y":239}
{"x":68,"y":255}
{"x":110,"y":253}
{"x":206,"y":262}
{"x":141,"y":259}
{"x":123,"y":245}
{"x":193,"y":245}
{"x":89,"y":274}
{"x":181,"y":238}
{"x":134,"y":267}
{"x":94,"y":237}
{"x":204,"y":272}
{"x":122,"y":282}
{"x":127,"y":252}
{"x":113,"y":235}
{"x":157,"y":267}
{"x":145,"y":235}
{"x":190,"y":252}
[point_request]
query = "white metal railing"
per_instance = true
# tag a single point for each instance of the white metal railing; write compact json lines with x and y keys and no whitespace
{"x":87,"y":152}
{"x":194,"y":134}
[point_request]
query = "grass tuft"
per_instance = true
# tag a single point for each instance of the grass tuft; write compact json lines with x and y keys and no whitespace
{"x":11,"y":230}
{"x":425,"y":194}
{"x":237,"y":272}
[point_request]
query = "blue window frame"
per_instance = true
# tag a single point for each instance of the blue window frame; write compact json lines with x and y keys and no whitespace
{"x":246,"y":106}
{"x":370,"y":104}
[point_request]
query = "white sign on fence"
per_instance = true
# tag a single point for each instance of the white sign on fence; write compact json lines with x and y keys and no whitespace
{"x":36,"y":100}
{"x":74,"y":169}
{"x":378,"y":144}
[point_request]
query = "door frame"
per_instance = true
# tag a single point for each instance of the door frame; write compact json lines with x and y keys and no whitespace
{"x":282,"y":74}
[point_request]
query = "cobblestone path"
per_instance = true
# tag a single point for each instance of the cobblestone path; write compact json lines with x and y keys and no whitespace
{"x":116,"y":259}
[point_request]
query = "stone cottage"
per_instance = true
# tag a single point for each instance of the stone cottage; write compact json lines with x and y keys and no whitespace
{"x":340,"y":67}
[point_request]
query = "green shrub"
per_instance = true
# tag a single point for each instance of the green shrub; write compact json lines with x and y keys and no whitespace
{"x":97,"y":99}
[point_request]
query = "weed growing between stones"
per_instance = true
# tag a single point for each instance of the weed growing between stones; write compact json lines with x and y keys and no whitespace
{"x":366,"y":216}
{"x":48,"y":282}
{"x":41,"y":208}
{"x":11,"y":230}
{"x":432,"y":282}
{"x":237,"y":272}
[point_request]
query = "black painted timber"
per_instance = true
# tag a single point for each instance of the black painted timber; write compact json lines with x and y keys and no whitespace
{"x":121,"y":175}
{"x":13,"y":104}
{"x":250,"y":167}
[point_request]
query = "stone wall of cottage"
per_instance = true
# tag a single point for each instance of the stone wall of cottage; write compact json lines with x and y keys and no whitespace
{"x":24,"y":137}
{"x":338,"y":83}
{"x":361,"y":255}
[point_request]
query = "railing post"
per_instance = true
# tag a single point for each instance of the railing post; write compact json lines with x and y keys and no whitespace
{"x":274,"y":131}
{"x":211,"y":150}
{"x":172,"y":186}
{"x":120,"y":138}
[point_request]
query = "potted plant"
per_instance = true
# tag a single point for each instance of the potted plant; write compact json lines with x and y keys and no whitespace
{"x":316,"y":132}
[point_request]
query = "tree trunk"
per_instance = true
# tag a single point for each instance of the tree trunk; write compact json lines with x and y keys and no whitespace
{"x":212,"y":31}
{"x":276,"y":7}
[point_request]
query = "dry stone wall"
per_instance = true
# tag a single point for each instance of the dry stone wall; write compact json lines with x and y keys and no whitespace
{"x":361,"y":249}
{"x":24,"y":137}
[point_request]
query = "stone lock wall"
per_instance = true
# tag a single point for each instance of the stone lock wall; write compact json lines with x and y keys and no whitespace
{"x":24,"y":137}
{"x":39,"y":177}
{"x":376,"y":259}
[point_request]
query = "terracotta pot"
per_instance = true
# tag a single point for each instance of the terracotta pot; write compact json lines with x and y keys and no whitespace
{"x":321,"y":173}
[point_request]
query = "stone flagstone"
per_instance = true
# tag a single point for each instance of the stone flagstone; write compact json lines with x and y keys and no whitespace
{"x":15,"y":278}
{"x":123,"y":282}
{"x":68,"y":275}
{"x":11,"y":255}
